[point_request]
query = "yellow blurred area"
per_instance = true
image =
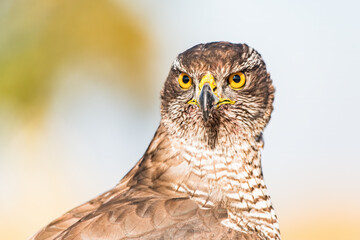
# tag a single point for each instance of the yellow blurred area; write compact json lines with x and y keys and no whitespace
{"x":38,"y":40}
{"x":322,"y":229}
{"x":320,"y":225}
{"x":39,"y":36}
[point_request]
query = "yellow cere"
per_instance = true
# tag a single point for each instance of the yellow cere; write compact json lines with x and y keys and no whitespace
{"x":185,"y":81}
{"x":208,"y":78}
{"x":237,"y":80}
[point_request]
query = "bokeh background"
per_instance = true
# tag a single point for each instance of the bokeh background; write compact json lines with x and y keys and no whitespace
{"x":79,"y":101}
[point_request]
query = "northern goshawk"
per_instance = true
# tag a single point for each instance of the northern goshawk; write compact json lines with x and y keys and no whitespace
{"x":201,"y":176}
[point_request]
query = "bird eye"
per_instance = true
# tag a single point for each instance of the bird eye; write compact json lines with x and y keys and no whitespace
{"x":237,"y":80}
{"x":185,"y":81}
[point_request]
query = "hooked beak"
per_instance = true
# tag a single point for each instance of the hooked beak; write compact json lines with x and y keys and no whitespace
{"x":208,"y":97}
{"x":207,"y":100}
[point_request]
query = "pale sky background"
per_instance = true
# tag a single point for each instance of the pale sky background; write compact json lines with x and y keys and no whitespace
{"x":95,"y":134}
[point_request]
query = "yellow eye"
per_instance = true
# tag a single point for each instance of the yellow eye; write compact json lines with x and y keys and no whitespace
{"x":237,"y":80}
{"x":185,"y":81}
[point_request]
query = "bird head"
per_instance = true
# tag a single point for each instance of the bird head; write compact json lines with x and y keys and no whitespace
{"x":217,"y":87}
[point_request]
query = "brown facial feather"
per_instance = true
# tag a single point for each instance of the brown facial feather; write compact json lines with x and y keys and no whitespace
{"x":253,"y":106}
{"x":197,"y":179}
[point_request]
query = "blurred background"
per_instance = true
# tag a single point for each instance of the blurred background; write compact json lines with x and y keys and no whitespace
{"x":79,"y":101}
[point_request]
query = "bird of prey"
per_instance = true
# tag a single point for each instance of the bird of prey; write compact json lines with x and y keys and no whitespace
{"x":201,"y":176}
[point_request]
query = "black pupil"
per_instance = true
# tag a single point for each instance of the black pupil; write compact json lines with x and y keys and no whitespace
{"x":186,"y":79}
{"x":236,"y":78}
